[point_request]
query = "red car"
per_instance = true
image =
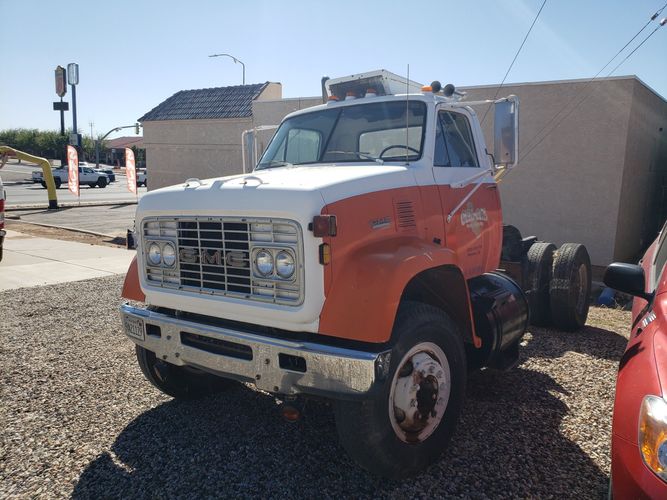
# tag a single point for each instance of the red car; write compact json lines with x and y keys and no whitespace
{"x":639,"y":428}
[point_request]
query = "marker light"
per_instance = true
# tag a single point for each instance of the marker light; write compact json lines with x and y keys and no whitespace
{"x":371,"y":93}
{"x":350,"y":95}
{"x":324,"y":225}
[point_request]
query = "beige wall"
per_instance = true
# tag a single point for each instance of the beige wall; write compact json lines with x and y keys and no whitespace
{"x":642,"y":207}
{"x":179,"y":149}
{"x":568,"y":188}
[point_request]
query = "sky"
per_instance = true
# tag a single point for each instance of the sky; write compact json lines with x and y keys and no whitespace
{"x":133,"y":55}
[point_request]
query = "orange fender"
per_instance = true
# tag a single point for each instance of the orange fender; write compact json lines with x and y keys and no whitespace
{"x":131,"y":286}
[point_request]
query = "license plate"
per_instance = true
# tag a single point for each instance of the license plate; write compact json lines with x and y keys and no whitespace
{"x":134,"y":327}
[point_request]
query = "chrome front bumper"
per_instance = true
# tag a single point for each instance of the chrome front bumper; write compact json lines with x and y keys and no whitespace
{"x":272,"y":364}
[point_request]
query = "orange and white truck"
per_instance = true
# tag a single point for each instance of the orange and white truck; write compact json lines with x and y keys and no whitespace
{"x":358,"y":262}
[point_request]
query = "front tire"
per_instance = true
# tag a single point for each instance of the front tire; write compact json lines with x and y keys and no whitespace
{"x":177,"y":381}
{"x":405,"y":427}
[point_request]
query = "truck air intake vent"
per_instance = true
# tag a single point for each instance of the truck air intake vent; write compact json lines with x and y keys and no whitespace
{"x":405,"y":215}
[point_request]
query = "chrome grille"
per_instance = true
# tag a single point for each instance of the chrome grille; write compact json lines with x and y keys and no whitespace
{"x":214,"y":256}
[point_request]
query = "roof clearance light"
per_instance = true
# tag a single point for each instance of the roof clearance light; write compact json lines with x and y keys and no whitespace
{"x":427,"y":89}
{"x":371,"y":93}
{"x":333,"y":98}
{"x":350,"y":95}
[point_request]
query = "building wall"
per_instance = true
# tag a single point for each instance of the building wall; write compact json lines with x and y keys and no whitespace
{"x":568,"y":187}
{"x":179,"y":149}
{"x":643,"y":204}
{"x":272,"y":113}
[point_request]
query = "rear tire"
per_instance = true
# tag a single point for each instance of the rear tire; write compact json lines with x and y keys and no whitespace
{"x":43,"y":184}
{"x":539,"y":263}
{"x":58,"y":182}
{"x":177,"y":381}
{"x":408,"y":422}
{"x":570,"y":287}
{"x":102,"y":182}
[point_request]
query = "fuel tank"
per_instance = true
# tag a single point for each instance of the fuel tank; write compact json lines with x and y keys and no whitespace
{"x":500,"y":312}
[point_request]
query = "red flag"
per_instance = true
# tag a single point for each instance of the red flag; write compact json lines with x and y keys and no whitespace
{"x":73,"y":176}
{"x":130,"y":171}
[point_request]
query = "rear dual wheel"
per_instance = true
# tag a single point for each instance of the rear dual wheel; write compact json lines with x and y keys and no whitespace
{"x":407,"y":424}
{"x":570,"y":287}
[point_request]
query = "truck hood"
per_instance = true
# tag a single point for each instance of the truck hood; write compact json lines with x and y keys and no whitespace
{"x":276,"y":192}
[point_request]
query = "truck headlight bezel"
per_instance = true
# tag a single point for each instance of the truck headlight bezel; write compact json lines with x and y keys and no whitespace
{"x":272,"y":254}
{"x":285,"y":259}
{"x":160,"y":253}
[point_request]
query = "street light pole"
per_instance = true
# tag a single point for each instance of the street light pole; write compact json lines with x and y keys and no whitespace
{"x":234,"y":59}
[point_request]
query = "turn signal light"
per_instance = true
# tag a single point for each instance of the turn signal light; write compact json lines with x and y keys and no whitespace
{"x":325,"y":254}
{"x":324,"y":225}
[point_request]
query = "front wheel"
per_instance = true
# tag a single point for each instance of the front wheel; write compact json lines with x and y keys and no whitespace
{"x":407,"y":425}
{"x":177,"y":381}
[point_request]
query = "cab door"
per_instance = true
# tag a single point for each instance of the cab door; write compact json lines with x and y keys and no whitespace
{"x":468,"y":192}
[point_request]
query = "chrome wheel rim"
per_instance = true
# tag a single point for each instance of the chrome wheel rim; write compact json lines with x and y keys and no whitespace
{"x":419,"y":393}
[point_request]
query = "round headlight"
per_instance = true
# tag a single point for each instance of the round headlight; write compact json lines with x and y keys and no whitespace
{"x":264,"y":262}
{"x":168,"y":254}
{"x":285,"y":264}
{"x":154,"y":254}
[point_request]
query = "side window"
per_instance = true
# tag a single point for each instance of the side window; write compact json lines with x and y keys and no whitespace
{"x":454,"y":146}
{"x":303,"y":146}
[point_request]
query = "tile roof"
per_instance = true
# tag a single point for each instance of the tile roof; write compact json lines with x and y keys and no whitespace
{"x":218,"y":102}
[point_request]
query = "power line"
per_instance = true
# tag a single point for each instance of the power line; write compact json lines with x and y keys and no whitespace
{"x":576,"y":106}
{"x":514,"y":60}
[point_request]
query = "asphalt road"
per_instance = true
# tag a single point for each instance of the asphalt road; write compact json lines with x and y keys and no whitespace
{"x":22,"y":195}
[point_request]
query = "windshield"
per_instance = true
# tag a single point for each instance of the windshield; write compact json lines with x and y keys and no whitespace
{"x":363,"y":132}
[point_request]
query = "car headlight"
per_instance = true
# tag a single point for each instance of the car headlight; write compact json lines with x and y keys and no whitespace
{"x":653,"y":434}
{"x":168,"y":254}
{"x":264,"y":262}
{"x":154,"y":254}
{"x":285,"y":264}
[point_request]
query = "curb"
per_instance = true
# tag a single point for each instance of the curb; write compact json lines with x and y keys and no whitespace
{"x":11,"y":208}
{"x":85,"y":231}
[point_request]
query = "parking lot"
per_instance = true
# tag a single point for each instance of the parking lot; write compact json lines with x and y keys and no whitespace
{"x":22,"y":193}
{"x":79,"y":418}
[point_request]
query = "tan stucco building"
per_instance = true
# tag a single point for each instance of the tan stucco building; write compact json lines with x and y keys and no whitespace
{"x":593,"y":165}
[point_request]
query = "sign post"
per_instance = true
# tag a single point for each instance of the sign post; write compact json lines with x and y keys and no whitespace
{"x":130,"y":171}
{"x":73,"y":174}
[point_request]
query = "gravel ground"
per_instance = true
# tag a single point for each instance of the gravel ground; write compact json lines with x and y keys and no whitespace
{"x":78,"y":419}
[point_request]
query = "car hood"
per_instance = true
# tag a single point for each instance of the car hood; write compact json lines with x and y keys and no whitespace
{"x":275,"y":192}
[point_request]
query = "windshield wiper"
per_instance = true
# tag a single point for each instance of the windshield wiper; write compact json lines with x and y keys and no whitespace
{"x":360,"y":154}
{"x":274,"y":164}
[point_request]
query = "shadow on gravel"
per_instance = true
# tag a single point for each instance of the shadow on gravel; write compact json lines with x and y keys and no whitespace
{"x":591,"y":341}
{"x":508,"y":444}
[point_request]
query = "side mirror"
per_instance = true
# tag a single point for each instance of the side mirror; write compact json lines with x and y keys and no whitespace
{"x":627,"y":278}
{"x":506,"y":132}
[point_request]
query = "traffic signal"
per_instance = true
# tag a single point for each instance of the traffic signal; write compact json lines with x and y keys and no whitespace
{"x":136,"y":128}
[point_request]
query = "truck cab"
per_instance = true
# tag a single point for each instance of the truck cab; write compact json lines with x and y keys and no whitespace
{"x":357,"y":262}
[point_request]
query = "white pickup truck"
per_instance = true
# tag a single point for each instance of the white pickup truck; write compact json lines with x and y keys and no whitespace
{"x":87,"y":176}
